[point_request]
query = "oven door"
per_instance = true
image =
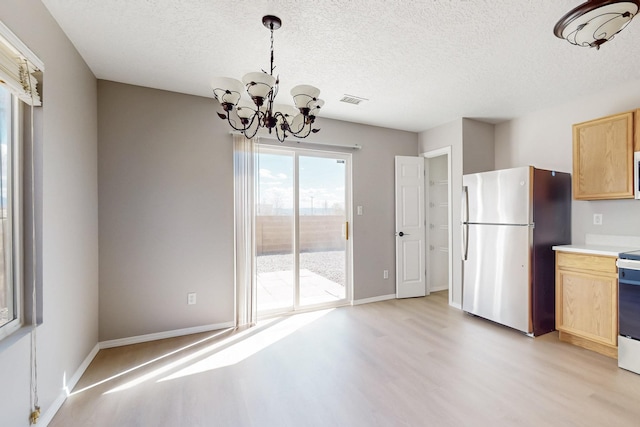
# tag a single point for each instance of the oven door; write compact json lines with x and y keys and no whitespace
{"x":629,"y":298}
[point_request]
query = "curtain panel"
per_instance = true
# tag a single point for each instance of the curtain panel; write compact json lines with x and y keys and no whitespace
{"x":244,"y":152}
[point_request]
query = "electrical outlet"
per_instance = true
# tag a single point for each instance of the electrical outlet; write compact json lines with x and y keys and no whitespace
{"x":597,"y":219}
{"x":191,"y":298}
{"x":385,"y":274}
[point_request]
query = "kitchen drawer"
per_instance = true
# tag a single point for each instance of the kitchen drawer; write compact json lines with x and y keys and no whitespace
{"x":587,"y":262}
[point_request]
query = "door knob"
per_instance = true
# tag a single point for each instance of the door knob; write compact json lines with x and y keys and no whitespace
{"x":401,"y":234}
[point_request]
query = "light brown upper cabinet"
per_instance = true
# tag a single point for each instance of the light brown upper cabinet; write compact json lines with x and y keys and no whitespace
{"x":603,"y":157}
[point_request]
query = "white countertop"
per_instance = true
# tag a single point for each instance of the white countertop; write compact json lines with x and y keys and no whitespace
{"x":595,"y":249}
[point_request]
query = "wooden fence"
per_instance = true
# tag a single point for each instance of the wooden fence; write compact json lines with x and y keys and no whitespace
{"x":317,"y":233}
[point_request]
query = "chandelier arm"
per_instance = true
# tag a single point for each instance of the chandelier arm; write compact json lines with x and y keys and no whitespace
{"x":281,"y":134}
{"x":255,"y":131}
{"x":231,"y":123}
{"x":307,"y":134}
{"x":246,"y":127}
{"x":307,"y":126}
{"x":281,"y":123}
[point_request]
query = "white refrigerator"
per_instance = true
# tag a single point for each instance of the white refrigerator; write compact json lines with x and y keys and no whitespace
{"x":510,"y":220}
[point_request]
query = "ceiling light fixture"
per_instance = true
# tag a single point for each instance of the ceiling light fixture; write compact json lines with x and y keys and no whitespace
{"x":596,"y":22}
{"x":261,"y":112}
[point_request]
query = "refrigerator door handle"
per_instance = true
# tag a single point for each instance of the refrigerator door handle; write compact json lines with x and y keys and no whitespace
{"x":465,"y":204}
{"x":465,"y":222}
{"x":465,"y":241}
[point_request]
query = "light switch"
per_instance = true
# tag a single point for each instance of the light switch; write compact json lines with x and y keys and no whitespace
{"x":359,"y":210}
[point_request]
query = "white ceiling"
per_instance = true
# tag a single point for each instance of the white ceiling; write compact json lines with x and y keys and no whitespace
{"x":420,"y":63}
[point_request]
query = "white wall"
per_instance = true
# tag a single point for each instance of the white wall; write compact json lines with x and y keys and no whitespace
{"x":166,"y":209}
{"x":544,"y":139}
{"x":67,"y":124}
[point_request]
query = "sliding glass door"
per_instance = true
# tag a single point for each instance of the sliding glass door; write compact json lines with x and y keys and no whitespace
{"x":274,"y":225}
{"x":302,"y":214}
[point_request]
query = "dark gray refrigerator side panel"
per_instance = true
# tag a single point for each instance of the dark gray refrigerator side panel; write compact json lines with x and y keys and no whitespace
{"x":552,"y":226}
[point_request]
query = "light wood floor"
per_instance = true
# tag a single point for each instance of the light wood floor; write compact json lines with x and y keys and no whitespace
{"x":415,"y":362}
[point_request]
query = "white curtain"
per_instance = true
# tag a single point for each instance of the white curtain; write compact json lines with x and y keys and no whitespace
{"x":244,"y":201}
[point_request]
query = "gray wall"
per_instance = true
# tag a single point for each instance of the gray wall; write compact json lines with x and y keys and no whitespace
{"x":166,"y":209}
{"x":478,"y":146}
{"x":166,"y":212}
{"x":446,"y":135}
{"x":544,"y":139}
{"x":67,"y":124}
{"x":472,"y":150}
{"x":374,"y":190}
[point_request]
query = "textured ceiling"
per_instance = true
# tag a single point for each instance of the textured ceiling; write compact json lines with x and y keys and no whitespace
{"x":419,"y":63}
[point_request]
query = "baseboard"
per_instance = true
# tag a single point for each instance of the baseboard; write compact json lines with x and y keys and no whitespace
{"x":374,"y":299}
{"x":52,"y":410}
{"x":162,"y":335}
{"x":456,"y":305}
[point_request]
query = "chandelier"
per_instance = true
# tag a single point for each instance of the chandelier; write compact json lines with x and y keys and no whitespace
{"x":248,"y":116}
{"x":596,"y":22}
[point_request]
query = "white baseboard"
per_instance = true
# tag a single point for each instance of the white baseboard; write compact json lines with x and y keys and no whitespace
{"x":162,"y":335}
{"x":374,"y":299}
{"x":71,"y":383}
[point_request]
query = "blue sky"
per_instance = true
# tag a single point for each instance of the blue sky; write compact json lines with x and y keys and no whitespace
{"x":322,"y":182}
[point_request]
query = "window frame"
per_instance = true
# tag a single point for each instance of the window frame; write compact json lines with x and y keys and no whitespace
{"x":15,"y":194}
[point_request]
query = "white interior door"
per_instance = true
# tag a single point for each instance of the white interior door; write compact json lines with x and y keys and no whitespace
{"x":410,"y":227}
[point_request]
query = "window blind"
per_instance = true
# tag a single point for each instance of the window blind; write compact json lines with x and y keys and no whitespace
{"x":18,"y":66}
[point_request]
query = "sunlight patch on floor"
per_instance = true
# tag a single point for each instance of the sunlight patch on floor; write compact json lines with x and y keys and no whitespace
{"x":228,"y":351}
{"x":250,"y":346}
{"x":169,"y":366}
{"x":142,"y":365}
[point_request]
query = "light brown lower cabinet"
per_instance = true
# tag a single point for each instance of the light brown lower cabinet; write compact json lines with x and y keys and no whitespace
{"x":587,"y":301}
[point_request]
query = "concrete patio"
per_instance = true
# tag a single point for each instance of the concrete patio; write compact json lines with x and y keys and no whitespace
{"x":321,"y":279}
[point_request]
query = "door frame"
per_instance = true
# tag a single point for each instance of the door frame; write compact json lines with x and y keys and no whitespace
{"x":444,"y":151}
{"x":296,"y":152}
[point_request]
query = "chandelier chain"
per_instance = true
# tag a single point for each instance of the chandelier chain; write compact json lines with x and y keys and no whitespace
{"x":272,"y":66}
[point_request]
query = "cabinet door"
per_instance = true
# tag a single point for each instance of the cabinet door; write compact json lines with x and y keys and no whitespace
{"x":603,"y":158}
{"x":587,"y":306}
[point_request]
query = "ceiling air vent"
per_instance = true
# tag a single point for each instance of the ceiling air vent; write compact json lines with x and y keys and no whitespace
{"x":351,"y":99}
